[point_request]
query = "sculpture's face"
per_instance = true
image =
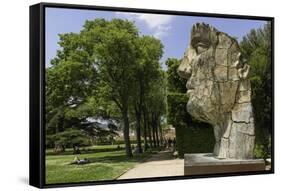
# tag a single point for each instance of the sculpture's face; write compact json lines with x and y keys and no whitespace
{"x":211,"y":67}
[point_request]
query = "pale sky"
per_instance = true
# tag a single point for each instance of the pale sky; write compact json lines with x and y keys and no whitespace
{"x":173,"y":31}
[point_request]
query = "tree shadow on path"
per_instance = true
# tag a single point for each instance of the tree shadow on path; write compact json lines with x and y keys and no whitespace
{"x":161,"y":155}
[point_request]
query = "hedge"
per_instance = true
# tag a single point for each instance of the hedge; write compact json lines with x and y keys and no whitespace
{"x":191,"y":136}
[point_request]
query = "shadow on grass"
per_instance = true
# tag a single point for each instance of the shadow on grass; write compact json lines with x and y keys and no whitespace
{"x":148,"y":156}
{"x":118,"y":158}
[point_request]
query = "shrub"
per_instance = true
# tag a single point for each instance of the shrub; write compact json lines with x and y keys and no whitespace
{"x":191,"y":136}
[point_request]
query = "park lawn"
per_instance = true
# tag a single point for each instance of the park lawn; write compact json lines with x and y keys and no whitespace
{"x":103,"y":166}
{"x":90,"y":149}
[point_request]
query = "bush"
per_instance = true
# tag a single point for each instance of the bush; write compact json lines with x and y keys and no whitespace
{"x":68,"y":139}
{"x":263,"y":150}
{"x":115,"y":142}
{"x":195,"y":138}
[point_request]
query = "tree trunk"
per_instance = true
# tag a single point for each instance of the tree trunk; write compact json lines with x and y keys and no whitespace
{"x":156,"y":131}
{"x":153,"y":129}
{"x":161,"y":133}
{"x":126,"y":132}
{"x":142,"y":110}
{"x":60,"y":125}
{"x":149,"y":131}
{"x":138,"y":127}
{"x":144,"y":128}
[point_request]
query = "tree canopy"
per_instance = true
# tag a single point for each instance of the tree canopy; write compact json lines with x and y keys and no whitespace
{"x":107,"y":71}
{"x":107,"y":81}
{"x":256,"y":48}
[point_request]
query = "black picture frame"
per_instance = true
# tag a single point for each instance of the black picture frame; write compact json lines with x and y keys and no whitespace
{"x":37,"y":92}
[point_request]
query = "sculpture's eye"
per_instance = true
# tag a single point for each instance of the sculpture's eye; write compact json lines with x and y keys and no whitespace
{"x":200,"y":49}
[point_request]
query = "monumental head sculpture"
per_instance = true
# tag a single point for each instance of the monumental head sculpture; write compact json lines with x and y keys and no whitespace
{"x":219,"y":90}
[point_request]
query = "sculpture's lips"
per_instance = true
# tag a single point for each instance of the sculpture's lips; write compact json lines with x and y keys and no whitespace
{"x":189,"y":91}
{"x":189,"y":88}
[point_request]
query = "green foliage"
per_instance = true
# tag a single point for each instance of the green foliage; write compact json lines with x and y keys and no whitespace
{"x":69,"y":81}
{"x":263,"y":150}
{"x":256,"y":48}
{"x":116,"y":55}
{"x":156,"y":95}
{"x":103,"y":72}
{"x":70,"y":138}
{"x":195,"y":138}
{"x":191,"y":136}
{"x":175,"y":82}
{"x":177,"y":113}
{"x":149,"y":89}
{"x":116,"y":141}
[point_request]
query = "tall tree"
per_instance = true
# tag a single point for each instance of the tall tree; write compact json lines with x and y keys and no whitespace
{"x":156,"y":105}
{"x":97,"y":62}
{"x":104,"y":67}
{"x":116,"y":56}
{"x":71,"y":83}
{"x":256,"y":48}
{"x":151,"y":50}
{"x":69,"y":80}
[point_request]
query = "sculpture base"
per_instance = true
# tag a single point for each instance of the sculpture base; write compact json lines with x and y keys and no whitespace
{"x":206,"y":163}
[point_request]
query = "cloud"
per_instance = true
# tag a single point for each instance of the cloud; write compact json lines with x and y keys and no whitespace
{"x":159,"y":25}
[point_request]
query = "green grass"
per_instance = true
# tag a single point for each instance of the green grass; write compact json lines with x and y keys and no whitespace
{"x":105,"y":165}
{"x":89,"y":149}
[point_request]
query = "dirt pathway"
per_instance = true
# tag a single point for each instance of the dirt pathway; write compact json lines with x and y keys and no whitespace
{"x":159,"y":165}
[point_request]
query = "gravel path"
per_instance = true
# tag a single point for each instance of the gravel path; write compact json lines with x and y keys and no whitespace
{"x":159,"y":165}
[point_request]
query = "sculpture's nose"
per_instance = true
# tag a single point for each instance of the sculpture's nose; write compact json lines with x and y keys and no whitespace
{"x":184,"y":70}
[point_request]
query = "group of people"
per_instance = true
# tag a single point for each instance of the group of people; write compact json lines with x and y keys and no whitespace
{"x":169,"y":143}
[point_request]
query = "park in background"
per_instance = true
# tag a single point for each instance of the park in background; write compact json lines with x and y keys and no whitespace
{"x":111,"y":104}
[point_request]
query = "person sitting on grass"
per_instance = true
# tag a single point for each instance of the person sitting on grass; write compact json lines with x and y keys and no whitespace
{"x":78,"y":161}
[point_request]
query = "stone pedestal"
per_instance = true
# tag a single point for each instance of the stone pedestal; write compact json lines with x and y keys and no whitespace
{"x":206,"y":163}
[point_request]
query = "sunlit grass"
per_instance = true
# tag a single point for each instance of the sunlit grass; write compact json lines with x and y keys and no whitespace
{"x":102,"y":166}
